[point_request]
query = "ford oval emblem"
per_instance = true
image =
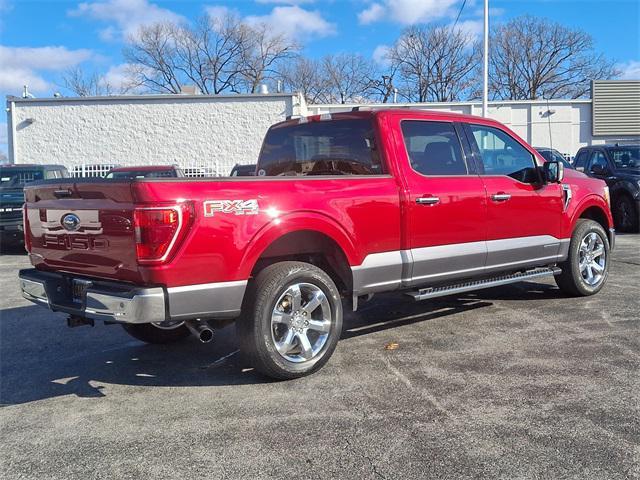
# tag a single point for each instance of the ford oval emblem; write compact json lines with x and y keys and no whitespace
{"x":71,"y":222}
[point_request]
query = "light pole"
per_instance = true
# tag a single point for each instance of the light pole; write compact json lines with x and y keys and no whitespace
{"x":485,"y":62}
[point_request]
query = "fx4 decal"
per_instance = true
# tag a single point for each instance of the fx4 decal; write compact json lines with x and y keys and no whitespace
{"x":237,"y":207}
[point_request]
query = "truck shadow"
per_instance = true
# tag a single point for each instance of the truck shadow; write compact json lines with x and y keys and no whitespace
{"x":42,"y":358}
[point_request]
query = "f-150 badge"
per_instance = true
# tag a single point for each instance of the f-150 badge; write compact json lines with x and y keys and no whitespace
{"x":236,"y":207}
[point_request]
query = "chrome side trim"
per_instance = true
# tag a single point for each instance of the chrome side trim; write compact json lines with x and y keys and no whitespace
{"x":443,"y":262}
{"x":390,"y":270}
{"x":379,"y":272}
{"x":209,"y":300}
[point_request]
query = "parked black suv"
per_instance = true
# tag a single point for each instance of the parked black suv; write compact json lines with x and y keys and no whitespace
{"x":13,"y":178}
{"x":619,"y":166}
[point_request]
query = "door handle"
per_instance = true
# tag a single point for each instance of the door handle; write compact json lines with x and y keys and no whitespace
{"x":430,"y":200}
{"x":500,"y":197}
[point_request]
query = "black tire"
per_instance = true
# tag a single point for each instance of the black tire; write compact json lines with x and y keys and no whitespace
{"x":254,"y":327}
{"x":149,"y":333}
{"x":571,"y":281}
{"x":625,"y":214}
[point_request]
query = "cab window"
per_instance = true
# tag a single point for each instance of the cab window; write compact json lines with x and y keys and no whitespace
{"x":503,"y":155}
{"x":433,"y":148}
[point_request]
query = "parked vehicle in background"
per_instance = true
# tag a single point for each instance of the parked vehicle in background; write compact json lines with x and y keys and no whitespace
{"x":619,"y":166}
{"x":13,"y":179}
{"x":243,"y":170}
{"x":553,"y":155}
{"x":145,"y":171}
{"x":347,"y":205}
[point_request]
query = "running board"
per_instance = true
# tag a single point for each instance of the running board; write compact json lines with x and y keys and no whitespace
{"x":433,"y":292}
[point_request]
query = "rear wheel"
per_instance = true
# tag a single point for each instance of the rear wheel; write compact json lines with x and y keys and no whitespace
{"x":157,"y":333}
{"x":626,"y":214}
{"x":291,"y":320}
{"x":585,"y":270}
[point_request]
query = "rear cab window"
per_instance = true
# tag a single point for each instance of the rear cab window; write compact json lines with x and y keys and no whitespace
{"x":433,"y":148}
{"x":332,"y":147}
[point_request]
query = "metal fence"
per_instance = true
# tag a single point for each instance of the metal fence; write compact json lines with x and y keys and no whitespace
{"x":191,"y":170}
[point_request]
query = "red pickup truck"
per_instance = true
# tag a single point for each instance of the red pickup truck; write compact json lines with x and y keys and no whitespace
{"x":342,"y":206}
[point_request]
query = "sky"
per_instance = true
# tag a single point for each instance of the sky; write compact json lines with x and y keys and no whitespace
{"x":39,"y":40}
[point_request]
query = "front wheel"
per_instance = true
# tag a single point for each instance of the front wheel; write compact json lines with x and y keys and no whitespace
{"x":585,"y":270}
{"x":291,"y":320}
{"x":157,"y":333}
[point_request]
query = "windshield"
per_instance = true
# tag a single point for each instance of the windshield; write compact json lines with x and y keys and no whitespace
{"x":626,"y":157}
{"x":143,"y":174}
{"x":554,"y":156}
{"x":18,"y":177}
{"x":338,"y":147}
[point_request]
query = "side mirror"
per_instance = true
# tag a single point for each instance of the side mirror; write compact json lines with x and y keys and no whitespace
{"x":553,"y":172}
{"x":598,"y":169}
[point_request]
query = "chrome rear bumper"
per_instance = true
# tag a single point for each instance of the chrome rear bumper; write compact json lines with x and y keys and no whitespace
{"x":127,"y":303}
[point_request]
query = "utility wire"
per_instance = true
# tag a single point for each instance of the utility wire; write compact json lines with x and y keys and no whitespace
{"x":459,"y":13}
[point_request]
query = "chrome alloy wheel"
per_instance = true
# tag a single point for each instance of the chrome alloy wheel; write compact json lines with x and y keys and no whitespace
{"x":593,"y":259}
{"x":301,"y":322}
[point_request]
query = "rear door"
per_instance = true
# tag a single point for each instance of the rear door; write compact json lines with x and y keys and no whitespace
{"x":523,"y":213}
{"x":446,"y":208}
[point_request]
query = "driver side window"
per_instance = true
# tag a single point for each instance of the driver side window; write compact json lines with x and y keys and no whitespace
{"x":599,"y":159}
{"x":502,"y":155}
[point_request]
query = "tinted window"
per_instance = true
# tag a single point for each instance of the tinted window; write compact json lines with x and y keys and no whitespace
{"x":338,"y":147}
{"x":502,"y":155}
{"x":626,"y":157}
{"x":581,"y":159}
{"x":599,"y":159}
{"x":17,"y":177}
{"x":433,"y":148}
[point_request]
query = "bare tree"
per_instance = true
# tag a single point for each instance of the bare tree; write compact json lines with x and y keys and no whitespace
{"x":265,"y":54}
{"x":533,"y":57}
{"x":434,"y":63}
{"x":350,"y":77}
{"x":85,"y":84}
{"x":221,"y":54}
{"x":304,"y":75}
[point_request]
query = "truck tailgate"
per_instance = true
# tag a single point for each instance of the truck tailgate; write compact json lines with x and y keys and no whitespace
{"x":83,"y":227}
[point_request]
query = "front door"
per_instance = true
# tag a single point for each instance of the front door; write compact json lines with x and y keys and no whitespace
{"x":523,"y":213}
{"x":446,"y":208}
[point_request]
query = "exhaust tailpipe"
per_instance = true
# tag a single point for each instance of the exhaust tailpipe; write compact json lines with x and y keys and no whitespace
{"x":200,"y":329}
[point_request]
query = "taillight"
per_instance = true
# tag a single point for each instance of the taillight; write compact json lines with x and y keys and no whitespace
{"x":26,"y":229}
{"x":158,"y":230}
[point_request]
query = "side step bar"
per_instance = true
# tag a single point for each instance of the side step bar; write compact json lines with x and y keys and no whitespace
{"x":433,"y":292}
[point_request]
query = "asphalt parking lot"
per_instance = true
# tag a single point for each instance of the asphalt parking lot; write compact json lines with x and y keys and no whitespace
{"x":511,"y":382}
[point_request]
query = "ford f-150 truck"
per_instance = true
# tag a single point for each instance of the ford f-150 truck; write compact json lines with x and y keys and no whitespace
{"x":342,"y":206}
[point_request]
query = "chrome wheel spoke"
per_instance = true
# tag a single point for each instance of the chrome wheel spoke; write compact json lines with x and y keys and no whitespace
{"x":305,"y":346}
{"x":598,"y":251}
{"x":281,"y":317}
{"x":322,"y":326}
{"x":314,"y":303}
{"x":296,"y":297}
{"x":286,"y":344}
{"x":597,"y":267}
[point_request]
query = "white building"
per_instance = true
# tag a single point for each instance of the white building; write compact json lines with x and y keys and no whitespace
{"x":214,"y":133}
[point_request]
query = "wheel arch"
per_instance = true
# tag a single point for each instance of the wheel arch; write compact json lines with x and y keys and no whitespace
{"x":596,"y":209}
{"x":312,"y":238}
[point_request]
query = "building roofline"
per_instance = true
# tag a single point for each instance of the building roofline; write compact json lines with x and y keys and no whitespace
{"x":442,"y":104}
{"x":167,"y":96}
